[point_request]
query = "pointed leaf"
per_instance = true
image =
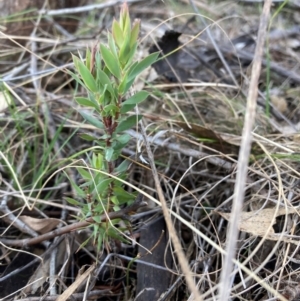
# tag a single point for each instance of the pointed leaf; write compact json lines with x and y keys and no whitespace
{"x":78,"y":190}
{"x":125,"y":138}
{"x":136,"y":98}
{"x":112,"y":45}
{"x":104,"y":80}
{"x":73,"y":201}
{"x":117,"y":33}
{"x":131,"y":102}
{"x":124,"y":51}
{"x":88,"y":58}
{"x":76,"y":78}
{"x":110,"y":61}
{"x":97,"y":160}
{"x":109,"y":152}
{"x":128,"y":123}
{"x":129,"y":84}
{"x":87,"y":77}
{"x":111,"y":109}
{"x":135,"y":32}
{"x":103,"y":185}
{"x":115,"y":234}
{"x":92,"y":120}
{"x":84,"y":173}
{"x":142,"y":65}
{"x":88,"y":137}
{"x":123,"y":166}
{"x":86,"y":102}
{"x":131,"y":55}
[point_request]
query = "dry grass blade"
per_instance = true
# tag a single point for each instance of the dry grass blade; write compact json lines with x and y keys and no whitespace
{"x":172,"y":232}
{"x":239,"y":191}
{"x":72,"y":288}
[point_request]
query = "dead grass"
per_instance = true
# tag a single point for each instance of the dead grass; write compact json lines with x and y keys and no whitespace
{"x":194,"y":130}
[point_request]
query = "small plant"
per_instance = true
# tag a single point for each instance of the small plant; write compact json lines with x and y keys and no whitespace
{"x":107,"y":73}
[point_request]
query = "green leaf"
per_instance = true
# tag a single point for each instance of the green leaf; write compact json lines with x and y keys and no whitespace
{"x":109,"y":152}
{"x":115,"y":234}
{"x":78,"y":190}
{"x":110,"y":61}
{"x":128,"y":123}
{"x":125,"y":138}
{"x":103,"y":97}
{"x":115,"y":200}
{"x":122,"y":195}
{"x":88,"y":137}
{"x":97,"y":160}
{"x":75,"y":61}
{"x":103,"y":185}
{"x":135,"y":32}
{"x":120,"y":142}
{"x":128,"y":85}
{"x":123,"y":166}
{"x":123,"y":85}
{"x":99,"y":209}
{"x":117,"y":33}
{"x":124,"y":16}
{"x":142,"y":65}
{"x":86,"y":102}
{"x":88,"y":58}
{"x":84,"y":173}
{"x":84,"y":243}
{"x":126,"y":108}
{"x":118,"y":146}
{"x":76,"y":78}
{"x":98,"y":60}
{"x":92,"y":120}
{"x":124,"y":52}
{"x":112,"y":45}
{"x":131,"y":102}
{"x":116,"y":208}
{"x":97,"y":219}
{"x":136,"y":98}
{"x":104,"y":80}
{"x":86,"y":210}
{"x":73,"y":202}
{"x":87,"y":77}
{"x":111,"y":109}
{"x":131,"y":55}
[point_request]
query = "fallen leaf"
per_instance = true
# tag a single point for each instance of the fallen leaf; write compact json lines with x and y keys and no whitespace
{"x":279,"y":103}
{"x":40,"y":225}
{"x":258,"y":222}
{"x":73,"y":287}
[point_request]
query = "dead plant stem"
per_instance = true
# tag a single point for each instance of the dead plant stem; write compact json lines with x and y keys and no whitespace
{"x":239,"y":191}
{"x":172,"y":232}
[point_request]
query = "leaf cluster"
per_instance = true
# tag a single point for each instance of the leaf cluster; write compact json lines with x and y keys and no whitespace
{"x":107,"y":73}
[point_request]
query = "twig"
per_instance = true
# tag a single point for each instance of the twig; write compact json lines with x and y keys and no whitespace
{"x":172,"y":232}
{"x":45,"y":256}
{"x":239,"y":191}
{"x":76,"y":296}
{"x":185,"y":151}
{"x":123,"y":213}
{"x":215,"y":45}
{"x":86,"y":8}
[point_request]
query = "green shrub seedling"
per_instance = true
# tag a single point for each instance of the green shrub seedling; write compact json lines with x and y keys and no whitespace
{"x":107,"y":73}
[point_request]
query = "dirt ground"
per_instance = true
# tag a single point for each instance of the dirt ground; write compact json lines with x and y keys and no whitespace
{"x":222,"y":122}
